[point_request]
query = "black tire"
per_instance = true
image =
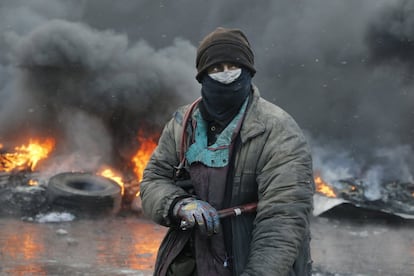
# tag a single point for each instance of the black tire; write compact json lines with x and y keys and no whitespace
{"x":84,"y":194}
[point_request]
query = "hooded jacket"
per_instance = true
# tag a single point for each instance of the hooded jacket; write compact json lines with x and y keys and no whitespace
{"x":272,"y":164}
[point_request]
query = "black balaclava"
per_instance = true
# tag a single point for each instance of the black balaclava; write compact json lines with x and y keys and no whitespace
{"x":223,"y":101}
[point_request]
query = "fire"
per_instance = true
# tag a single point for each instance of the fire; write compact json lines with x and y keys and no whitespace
{"x":323,"y":188}
{"x":26,"y":156}
{"x":109,"y":173}
{"x":32,"y":182}
{"x":143,"y":154}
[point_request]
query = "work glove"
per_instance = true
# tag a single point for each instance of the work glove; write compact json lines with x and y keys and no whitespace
{"x":194,"y":212}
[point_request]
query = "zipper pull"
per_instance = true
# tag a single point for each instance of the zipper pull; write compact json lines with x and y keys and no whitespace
{"x":226,"y":263}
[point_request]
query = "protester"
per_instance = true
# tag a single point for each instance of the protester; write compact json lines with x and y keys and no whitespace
{"x":230,"y":148}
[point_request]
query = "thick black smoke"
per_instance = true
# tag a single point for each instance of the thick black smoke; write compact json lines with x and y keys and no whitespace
{"x":391,"y":36}
{"x":92,"y":89}
{"x":342,"y":69}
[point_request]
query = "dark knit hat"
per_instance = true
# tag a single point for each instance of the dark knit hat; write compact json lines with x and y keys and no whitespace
{"x":224,"y":45}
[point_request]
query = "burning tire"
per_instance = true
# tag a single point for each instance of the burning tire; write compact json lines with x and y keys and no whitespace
{"x":84,"y":194}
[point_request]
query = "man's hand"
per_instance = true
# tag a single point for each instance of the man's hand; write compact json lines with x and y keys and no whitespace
{"x":193,"y":211}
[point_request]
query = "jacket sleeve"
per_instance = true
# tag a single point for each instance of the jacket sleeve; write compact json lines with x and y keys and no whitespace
{"x":285,"y":191}
{"x":157,"y":189}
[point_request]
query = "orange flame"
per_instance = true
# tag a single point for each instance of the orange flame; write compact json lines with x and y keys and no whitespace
{"x":32,"y":182}
{"x":143,"y":154}
{"x":109,"y":173}
{"x":323,"y":188}
{"x":27,"y":156}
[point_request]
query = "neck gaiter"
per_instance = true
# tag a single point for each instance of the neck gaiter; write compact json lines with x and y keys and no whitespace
{"x":222,"y":101}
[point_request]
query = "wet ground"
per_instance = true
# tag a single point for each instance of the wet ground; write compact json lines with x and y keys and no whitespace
{"x":363,"y":244}
{"x":127,"y":245}
{"x":107,"y":246}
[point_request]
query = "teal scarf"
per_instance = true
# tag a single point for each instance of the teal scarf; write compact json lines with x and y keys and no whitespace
{"x":216,"y":155}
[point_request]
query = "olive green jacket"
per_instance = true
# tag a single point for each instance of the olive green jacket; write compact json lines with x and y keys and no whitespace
{"x":272,"y":164}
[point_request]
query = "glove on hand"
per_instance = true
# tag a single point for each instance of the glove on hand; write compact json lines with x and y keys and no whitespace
{"x":193,"y":211}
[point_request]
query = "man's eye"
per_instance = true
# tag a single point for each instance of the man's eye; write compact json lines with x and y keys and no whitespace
{"x":215,"y":69}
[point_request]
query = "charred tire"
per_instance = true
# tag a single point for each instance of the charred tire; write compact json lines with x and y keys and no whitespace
{"x":84,"y":194}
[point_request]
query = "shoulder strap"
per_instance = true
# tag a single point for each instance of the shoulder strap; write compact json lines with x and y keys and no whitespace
{"x":183,"y":144}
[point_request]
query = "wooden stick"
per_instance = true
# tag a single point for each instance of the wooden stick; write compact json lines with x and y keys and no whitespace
{"x":238,"y":210}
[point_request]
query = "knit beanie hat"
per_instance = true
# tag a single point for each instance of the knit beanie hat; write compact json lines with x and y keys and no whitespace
{"x":224,"y":45}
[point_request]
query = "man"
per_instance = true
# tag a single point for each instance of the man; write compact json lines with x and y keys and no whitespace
{"x":229,"y":149}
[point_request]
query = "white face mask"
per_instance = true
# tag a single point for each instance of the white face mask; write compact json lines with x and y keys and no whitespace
{"x":226,"y":77}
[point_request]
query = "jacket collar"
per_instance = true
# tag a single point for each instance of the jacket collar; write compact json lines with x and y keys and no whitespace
{"x":252,"y":126}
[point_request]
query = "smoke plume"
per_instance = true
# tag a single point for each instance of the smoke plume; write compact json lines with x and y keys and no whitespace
{"x":95,"y":72}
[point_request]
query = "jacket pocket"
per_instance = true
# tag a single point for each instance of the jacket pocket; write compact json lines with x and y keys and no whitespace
{"x":184,"y":264}
{"x":171,"y":246}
